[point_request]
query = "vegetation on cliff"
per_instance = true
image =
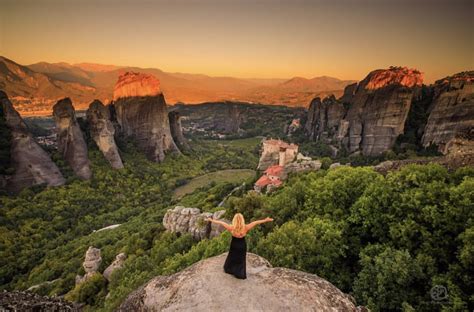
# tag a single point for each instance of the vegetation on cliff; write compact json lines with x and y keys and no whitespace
{"x":387,"y":240}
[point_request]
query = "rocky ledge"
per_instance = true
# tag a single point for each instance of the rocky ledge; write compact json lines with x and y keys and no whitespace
{"x":26,"y":301}
{"x":205,"y":287}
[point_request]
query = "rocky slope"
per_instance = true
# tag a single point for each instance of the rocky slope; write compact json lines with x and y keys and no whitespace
{"x":142,"y":114}
{"x":451,"y":122}
{"x":177,"y":130}
{"x":205,"y":287}
{"x":102,"y":132}
{"x":70,"y":139}
{"x":27,"y":301}
{"x":31,"y":164}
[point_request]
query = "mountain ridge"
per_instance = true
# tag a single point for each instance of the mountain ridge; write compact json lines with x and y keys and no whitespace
{"x":43,"y":83}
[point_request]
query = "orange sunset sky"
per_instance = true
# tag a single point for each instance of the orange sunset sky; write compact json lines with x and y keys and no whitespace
{"x":253,"y":39}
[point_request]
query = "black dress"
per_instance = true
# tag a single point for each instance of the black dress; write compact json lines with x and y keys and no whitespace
{"x":235,"y":263}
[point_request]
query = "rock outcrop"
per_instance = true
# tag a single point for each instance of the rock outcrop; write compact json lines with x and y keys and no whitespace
{"x":70,"y":139}
{"x":31,"y":164}
{"x":190,"y":220}
{"x":232,"y":124}
{"x":276,"y":152}
{"x":91,"y":264}
{"x":102,"y":132}
{"x":451,"y":122}
{"x":28,"y":301}
{"x":116,"y":265}
{"x":142,"y":114}
{"x":379,"y":108}
{"x":177,"y":130}
{"x":324,"y":117}
{"x":205,"y":287}
{"x":376,"y":111}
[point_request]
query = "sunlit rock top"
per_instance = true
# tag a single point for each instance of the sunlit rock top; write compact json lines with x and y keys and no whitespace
{"x":394,"y":75}
{"x":132,"y":84}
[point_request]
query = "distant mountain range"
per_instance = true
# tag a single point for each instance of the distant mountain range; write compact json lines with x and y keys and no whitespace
{"x":35,"y":88}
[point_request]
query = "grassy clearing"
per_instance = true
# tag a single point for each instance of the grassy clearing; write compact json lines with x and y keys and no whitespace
{"x":221,"y":176}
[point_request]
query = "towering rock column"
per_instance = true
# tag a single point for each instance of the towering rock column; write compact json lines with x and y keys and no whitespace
{"x":142,"y":114}
{"x":451,"y":121}
{"x":379,"y":107}
{"x":233,"y":124}
{"x":31,"y":164}
{"x":177,"y":130}
{"x":70,"y":139}
{"x":102,"y":131}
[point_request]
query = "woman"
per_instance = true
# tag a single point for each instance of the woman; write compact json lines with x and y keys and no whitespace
{"x":235,"y":262}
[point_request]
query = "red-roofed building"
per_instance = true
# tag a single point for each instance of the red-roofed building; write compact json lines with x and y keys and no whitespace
{"x":270,"y":179}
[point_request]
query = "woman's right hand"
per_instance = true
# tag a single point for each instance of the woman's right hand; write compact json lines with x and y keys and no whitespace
{"x":267,"y":219}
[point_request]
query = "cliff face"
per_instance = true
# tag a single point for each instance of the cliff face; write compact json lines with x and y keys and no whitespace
{"x":451,"y":121}
{"x":205,"y":287}
{"x":233,"y":123}
{"x":177,"y":130}
{"x":70,"y":139}
{"x":323,"y":117}
{"x":142,"y":114}
{"x":102,"y":131}
{"x":31,"y":163}
{"x":377,"y":110}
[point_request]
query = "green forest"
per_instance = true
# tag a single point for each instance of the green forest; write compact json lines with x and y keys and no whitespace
{"x":386,"y":240}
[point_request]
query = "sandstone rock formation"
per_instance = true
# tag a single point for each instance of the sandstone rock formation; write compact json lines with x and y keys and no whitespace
{"x":142,"y":114}
{"x":31,"y":164}
{"x":102,"y":132}
{"x":304,"y":165}
{"x":117,"y":264}
{"x":324,"y":117}
{"x":205,"y":287}
{"x":293,"y":127}
{"x":276,"y":152}
{"x":190,"y":220}
{"x":451,"y":121}
{"x":379,"y":108}
{"x":376,"y":112}
{"x":91,"y":264}
{"x":232,"y":125}
{"x":70,"y":139}
{"x":177,"y":130}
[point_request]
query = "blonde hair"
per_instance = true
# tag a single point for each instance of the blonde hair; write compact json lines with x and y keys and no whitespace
{"x":238,"y":224}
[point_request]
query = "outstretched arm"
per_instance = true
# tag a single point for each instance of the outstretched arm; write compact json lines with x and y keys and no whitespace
{"x":251,"y":225}
{"x":228,"y":227}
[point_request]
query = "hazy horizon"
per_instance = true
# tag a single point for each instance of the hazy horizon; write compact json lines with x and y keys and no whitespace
{"x":244,"y":39}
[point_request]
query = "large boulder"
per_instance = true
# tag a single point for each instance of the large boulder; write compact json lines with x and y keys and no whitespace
{"x":177,"y":130}
{"x":451,"y":121}
{"x":91,"y":264}
{"x":116,"y":265}
{"x":205,"y":287}
{"x":102,"y":132}
{"x":31,"y":164}
{"x":142,"y":114}
{"x":190,"y":220}
{"x":70,"y":139}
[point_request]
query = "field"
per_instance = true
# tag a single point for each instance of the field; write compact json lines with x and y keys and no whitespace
{"x":221,"y":176}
